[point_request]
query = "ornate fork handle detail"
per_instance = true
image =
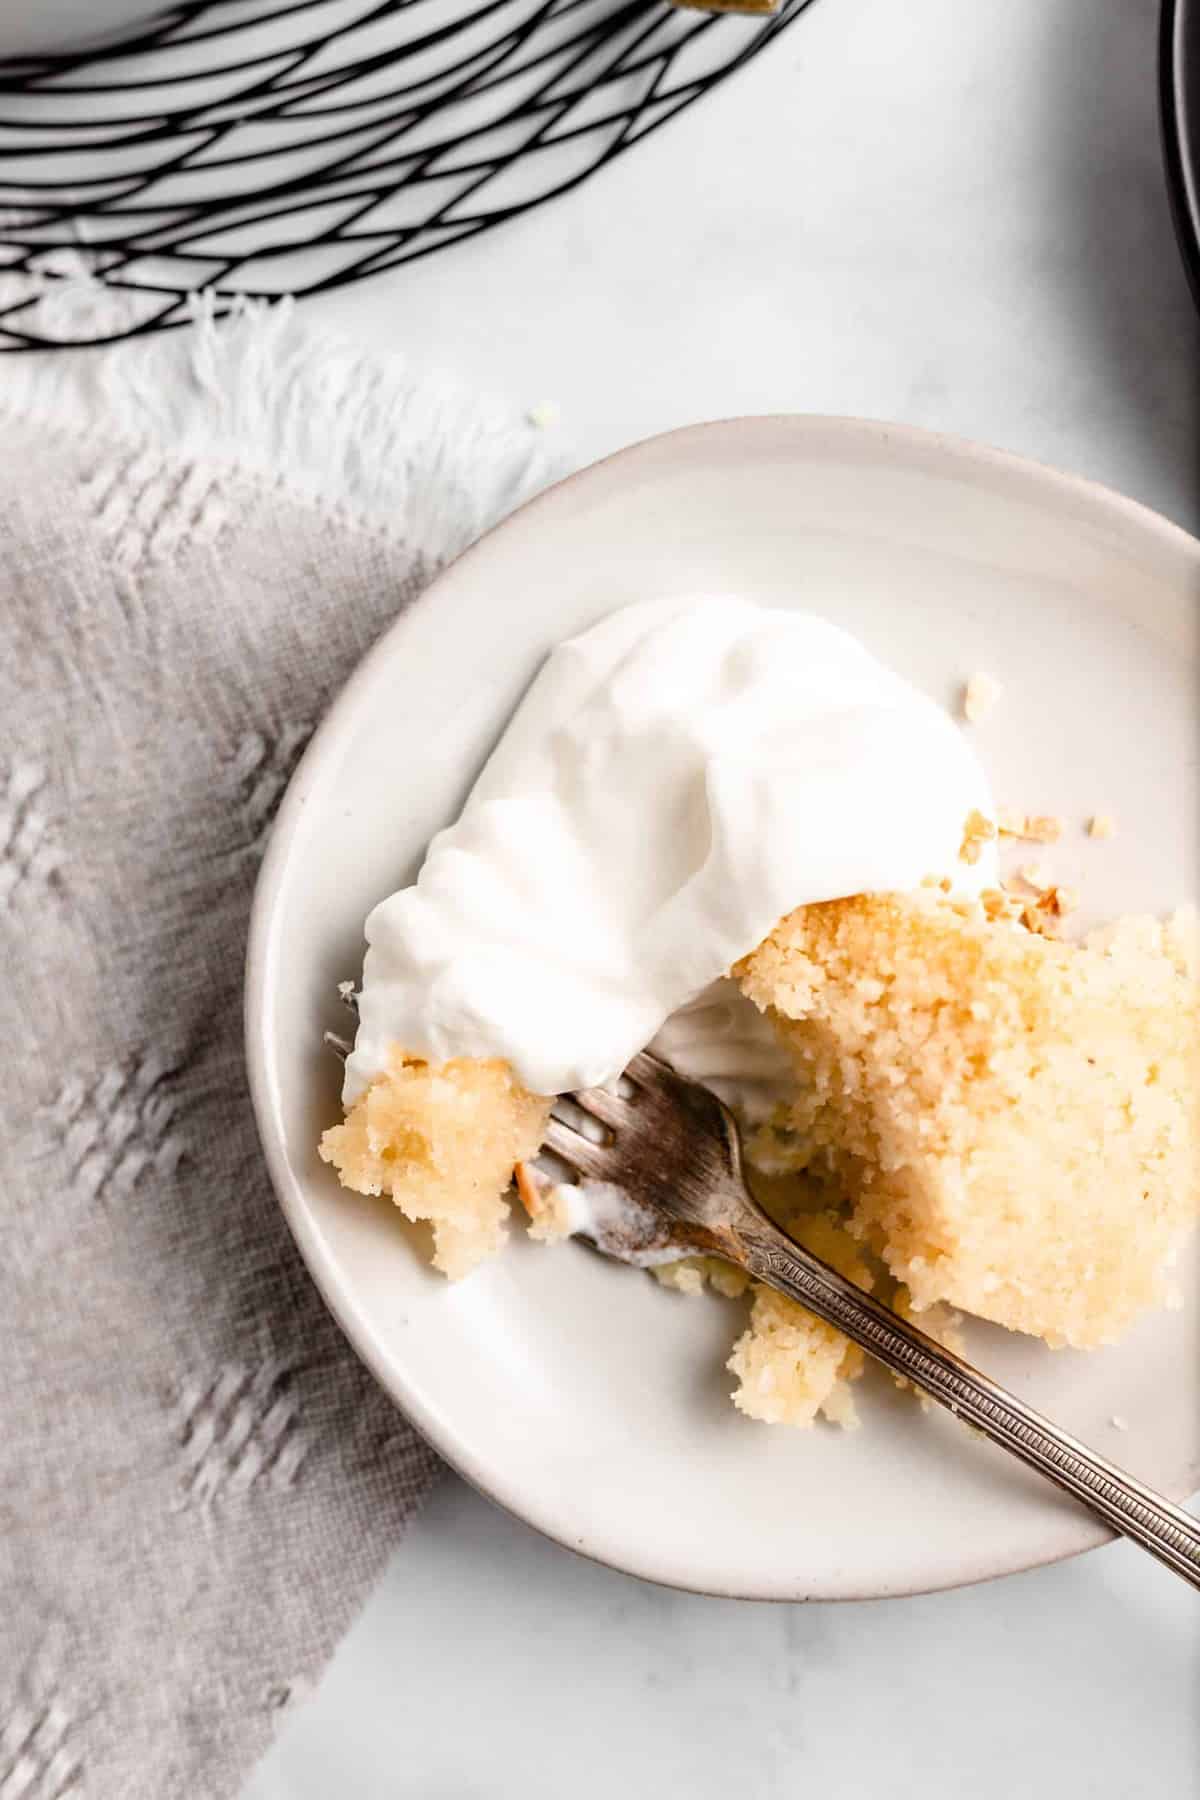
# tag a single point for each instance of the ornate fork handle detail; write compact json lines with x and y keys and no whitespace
{"x":1166,"y":1531}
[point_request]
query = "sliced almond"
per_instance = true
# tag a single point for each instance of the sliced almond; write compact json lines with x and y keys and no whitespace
{"x":976,"y":833}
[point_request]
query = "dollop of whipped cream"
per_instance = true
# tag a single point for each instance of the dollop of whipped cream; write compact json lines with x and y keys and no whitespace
{"x":675,"y":780}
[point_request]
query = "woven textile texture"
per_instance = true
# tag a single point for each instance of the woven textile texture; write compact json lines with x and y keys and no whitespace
{"x":198,"y":1482}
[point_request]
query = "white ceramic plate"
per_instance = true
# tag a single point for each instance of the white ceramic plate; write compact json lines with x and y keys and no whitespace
{"x":579,"y":1394}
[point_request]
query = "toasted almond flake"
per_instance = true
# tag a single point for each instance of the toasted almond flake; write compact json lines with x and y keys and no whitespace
{"x":1102,"y":825}
{"x":1066,"y":900}
{"x":980,"y":695}
{"x":1033,"y":828}
{"x":999,"y":905}
{"x":976,"y":833}
{"x":1041,"y":919}
{"x":528,"y":1189}
{"x":1036,"y":876}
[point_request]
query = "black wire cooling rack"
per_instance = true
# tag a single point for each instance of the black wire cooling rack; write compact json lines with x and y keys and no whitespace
{"x":249,"y":147}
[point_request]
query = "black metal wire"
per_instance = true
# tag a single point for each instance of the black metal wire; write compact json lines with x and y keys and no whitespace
{"x":1179,"y":107}
{"x":244,"y":147}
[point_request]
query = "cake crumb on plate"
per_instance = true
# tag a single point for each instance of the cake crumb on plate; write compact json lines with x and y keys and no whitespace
{"x":1031,"y":828}
{"x":977,"y":832}
{"x":980,"y":695}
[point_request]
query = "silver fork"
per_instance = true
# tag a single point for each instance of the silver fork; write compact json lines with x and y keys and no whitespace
{"x":675,"y":1152}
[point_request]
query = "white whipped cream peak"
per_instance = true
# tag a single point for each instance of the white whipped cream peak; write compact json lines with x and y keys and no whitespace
{"x":675,"y":780}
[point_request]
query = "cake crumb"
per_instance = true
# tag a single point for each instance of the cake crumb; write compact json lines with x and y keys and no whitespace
{"x":1102,"y":825}
{"x":980,"y":695}
{"x":1032,"y":828}
{"x":977,"y":832}
{"x":690,"y":1273}
{"x":999,"y":905}
{"x":791,"y":1367}
{"x":1118,"y":1423}
{"x":685,"y":1276}
{"x":1041,"y":919}
{"x":544,"y":415}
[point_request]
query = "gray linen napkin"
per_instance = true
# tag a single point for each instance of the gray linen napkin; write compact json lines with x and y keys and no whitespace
{"x":198,"y":1482}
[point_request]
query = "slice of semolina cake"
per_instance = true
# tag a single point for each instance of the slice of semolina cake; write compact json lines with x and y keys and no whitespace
{"x":442,"y":1139}
{"x":1012,"y":1118}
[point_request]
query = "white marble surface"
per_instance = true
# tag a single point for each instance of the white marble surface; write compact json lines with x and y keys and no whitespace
{"x":952,"y":215}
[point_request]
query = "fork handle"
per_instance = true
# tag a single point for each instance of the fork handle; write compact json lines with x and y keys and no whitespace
{"x":1127,"y":1505}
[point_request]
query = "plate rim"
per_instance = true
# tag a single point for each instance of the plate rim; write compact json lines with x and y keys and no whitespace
{"x":336,"y":1293}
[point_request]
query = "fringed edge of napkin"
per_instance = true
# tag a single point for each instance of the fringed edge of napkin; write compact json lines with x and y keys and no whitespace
{"x":298,"y":408}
